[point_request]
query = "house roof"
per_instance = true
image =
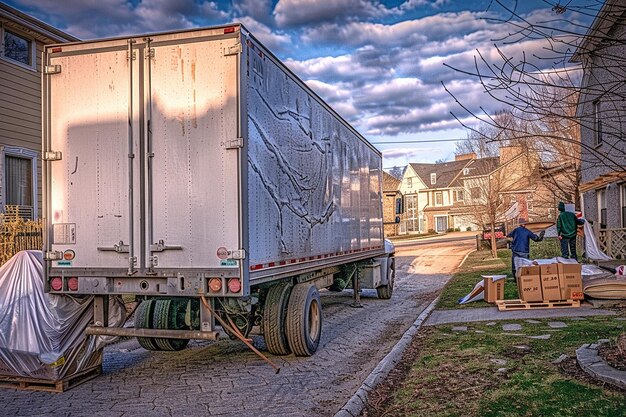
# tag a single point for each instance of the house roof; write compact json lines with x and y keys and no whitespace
{"x":35,"y":26}
{"x":390,"y":183}
{"x":446,"y":172}
{"x":477,"y":167}
{"x":607,"y":17}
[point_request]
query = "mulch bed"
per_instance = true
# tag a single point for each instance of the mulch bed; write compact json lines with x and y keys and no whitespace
{"x":614,"y":353}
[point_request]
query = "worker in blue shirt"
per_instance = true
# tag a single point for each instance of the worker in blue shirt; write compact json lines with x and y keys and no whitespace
{"x":520,"y":246}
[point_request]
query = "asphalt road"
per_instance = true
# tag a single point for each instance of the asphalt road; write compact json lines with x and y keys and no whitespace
{"x":225,"y":378}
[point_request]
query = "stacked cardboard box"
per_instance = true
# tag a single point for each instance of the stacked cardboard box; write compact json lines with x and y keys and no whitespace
{"x":550,"y":282}
{"x":494,"y":287}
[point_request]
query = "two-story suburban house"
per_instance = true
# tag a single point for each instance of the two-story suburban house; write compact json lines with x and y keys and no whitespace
{"x":602,"y":114}
{"x":22,"y":40}
{"x":429,"y":195}
{"x":457,"y":195}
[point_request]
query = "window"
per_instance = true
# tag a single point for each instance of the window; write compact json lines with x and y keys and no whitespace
{"x":409,"y":182}
{"x":412,"y":220}
{"x":460,"y":196}
{"x":465,"y":171}
{"x":439,"y":198}
{"x":602,"y":208}
{"x":623,"y":188}
{"x":476,"y":192}
{"x":17,"y":48}
{"x":433,"y":178}
{"x":20,"y":180}
{"x":597,"y":122}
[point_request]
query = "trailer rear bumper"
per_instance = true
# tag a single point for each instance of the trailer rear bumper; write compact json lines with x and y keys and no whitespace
{"x":160,"y":333}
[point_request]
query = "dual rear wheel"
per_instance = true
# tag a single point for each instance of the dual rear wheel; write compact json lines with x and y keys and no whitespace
{"x":292,"y":320}
{"x":162,"y":314}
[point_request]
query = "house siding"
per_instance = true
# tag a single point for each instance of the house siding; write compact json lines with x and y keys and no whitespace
{"x":20,"y":111}
{"x":603,"y":81}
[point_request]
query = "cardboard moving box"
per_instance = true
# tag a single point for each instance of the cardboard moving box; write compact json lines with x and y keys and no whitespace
{"x":494,"y":287}
{"x":570,"y":276}
{"x":550,"y":283}
{"x":529,"y":283}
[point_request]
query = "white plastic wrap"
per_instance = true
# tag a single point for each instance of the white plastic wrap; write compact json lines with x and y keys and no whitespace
{"x":43,"y":335}
{"x":592,"y":249}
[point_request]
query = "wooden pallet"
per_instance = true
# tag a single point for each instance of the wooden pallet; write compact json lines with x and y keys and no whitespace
{"x":38,"y":384}
{"x":508,"y":305}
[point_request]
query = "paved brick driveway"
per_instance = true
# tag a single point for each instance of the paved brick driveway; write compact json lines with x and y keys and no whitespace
{"x":225,"y":378}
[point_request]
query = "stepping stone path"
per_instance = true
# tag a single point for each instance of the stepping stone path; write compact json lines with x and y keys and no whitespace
{"x":459,"y":329}
{"x":511,"y":327}
{"x":541,"y":337}
{"x":532,"y":321}
{"x":560,"y":359}
{"x":557,"y":325}
{"x":491,"y":323}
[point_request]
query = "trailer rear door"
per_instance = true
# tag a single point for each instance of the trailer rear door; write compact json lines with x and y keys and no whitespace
{"x":193,"y":172}
{"x":91,"y":136}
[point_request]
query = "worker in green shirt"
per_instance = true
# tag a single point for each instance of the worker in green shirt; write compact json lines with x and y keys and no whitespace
{"x":566,"y":227}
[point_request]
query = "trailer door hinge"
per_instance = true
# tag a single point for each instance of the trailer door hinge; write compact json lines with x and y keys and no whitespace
{"x":238,"y":254}
{"x":52,"y":69}
{"x":52,"y":156}
{"x":150,"y":53}
{"x":133,"y":57}
{"x":233,"y":50}
{"x":234,"y":144}
{"x":52,"y":255}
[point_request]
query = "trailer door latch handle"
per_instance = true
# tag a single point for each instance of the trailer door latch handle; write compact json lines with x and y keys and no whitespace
{"x":118,"y":247}
{"x":160,"y":246}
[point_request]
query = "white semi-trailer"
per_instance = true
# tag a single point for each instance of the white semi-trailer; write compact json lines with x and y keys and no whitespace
{"x":189,"y":165}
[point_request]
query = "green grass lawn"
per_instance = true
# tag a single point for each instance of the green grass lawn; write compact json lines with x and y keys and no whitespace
{"x":487,"y":372}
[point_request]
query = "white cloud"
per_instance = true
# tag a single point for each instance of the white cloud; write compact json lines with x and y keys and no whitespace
{"x":275,"y":41}
{"x":308,"y":12}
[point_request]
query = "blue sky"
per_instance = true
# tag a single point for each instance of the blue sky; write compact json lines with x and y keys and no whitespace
{"x":380,"y":64}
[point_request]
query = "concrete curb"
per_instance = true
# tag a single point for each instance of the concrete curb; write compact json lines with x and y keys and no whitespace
{"x":356,"y":404}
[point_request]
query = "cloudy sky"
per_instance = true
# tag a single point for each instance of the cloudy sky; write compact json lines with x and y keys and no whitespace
{"x":380,"y":64}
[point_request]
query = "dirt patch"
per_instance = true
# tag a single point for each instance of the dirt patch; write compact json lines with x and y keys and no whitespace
{"x":453,"y":387}
{"x":614,"y":353}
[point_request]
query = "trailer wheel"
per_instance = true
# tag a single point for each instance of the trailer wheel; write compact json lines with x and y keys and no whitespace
{"x":304,"y":319}
{"x":274,"y":317}
{"x":386,"y":291}
{"x":170,"y":314}
{"x":143,"y":320}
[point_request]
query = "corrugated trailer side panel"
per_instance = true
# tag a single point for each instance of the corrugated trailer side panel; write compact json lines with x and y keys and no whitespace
{"x":314,"y":185}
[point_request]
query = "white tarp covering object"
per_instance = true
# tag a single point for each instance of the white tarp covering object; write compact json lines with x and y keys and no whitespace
{"x":592,"y":249}
{"x":43,"y":335}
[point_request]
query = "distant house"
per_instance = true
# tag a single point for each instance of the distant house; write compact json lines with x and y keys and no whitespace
{"x":453,"y":195}
{"x":392,"y":204}
{"x":429,"y":195}
{"x":603,"y":120}
{"x":22,"y":43}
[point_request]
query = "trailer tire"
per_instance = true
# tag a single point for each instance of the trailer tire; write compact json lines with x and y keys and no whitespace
{"x":143,"y":320}
{"x":304,"y":319}
{"x":386,"y":291}
{"x":274,"y":317}
{"x":169,"y":314}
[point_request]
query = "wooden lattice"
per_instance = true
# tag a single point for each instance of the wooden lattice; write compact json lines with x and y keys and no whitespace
{"x":613,"y":242}
{"x":18,"y":234}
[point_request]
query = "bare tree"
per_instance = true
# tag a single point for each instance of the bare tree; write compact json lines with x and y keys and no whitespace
{"x":542,"y":92}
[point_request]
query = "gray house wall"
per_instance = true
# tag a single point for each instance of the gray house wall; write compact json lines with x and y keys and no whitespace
{"x":604,"y":82}
{"x":20,"y":96}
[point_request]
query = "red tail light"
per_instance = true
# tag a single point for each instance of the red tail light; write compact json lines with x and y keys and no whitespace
{"x":56,"y":283}
{"x":72,"y":284}
{"x":234,"y":285}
